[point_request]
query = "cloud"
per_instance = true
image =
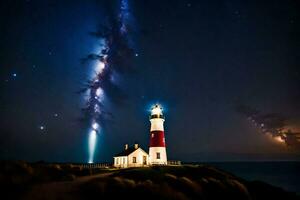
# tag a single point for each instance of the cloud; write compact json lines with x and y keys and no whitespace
{"x":271,"y":123}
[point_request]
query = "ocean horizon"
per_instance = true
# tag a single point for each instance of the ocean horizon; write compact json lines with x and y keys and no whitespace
{"x":283,"y":174}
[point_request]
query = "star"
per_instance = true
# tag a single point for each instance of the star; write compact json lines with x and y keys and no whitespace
{"x":136,"y":55}
{"x":55,"y":115}
{"x":42,"y":127}
{"x":14,"y":75}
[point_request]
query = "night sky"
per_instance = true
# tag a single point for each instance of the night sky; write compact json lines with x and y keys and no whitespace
{"x":198,"y":59}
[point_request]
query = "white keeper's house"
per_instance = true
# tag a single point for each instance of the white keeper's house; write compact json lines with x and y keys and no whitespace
{"x":131,"y":157}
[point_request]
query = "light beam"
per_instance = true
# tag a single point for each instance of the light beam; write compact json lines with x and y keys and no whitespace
{"x":92,"y":145}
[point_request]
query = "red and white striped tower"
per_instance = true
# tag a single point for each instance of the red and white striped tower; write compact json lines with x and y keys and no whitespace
{"x":157,"y":149}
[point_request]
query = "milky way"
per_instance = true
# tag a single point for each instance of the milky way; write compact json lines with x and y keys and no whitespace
{"x":113,"y":58}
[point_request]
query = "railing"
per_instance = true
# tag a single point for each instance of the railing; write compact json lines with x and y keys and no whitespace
{"x":109,"y":165}
{"x":174,"y":162}
{"x":94,"y":165}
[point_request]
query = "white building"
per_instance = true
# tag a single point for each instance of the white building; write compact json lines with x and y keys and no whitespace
{"x":131,"y":157}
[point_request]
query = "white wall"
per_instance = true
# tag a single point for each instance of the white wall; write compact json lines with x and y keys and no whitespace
{"x":153,"y":158}
{"x":139,"y":153}
{"x":157,"y":124}
{"x":121,"y":161}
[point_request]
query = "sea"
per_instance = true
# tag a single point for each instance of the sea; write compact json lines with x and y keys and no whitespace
{"x":282,"y":174}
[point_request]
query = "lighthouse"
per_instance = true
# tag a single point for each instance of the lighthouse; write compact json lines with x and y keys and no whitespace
{"x":157,"y":147}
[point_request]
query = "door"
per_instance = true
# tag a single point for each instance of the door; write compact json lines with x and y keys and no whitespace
{"x":144,"y":160}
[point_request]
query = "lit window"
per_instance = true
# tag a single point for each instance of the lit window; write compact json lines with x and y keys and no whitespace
{"x":123,"y":160}
{"x":157,"y":155}
{"x":152,"y":135}
{"x":133,"y":159}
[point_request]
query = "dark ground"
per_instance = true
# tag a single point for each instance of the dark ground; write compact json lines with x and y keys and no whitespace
{"x":22,"y":180}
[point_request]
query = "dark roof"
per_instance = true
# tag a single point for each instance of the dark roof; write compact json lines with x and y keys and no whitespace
{"x":126,"y":152}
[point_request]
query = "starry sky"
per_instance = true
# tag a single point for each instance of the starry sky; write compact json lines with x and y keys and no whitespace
{"x":198,"y":59}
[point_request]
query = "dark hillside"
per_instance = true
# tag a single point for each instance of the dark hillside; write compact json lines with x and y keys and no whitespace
{"x":21,"y":180}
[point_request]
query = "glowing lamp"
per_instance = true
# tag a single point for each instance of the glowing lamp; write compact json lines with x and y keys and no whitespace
{"x":156,"y":110}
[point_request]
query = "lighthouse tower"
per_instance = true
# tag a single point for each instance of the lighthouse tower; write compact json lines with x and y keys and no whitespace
{"x":157,"y":149}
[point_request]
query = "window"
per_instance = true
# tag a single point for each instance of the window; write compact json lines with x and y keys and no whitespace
{"x":157,"y":155}
{"x":123,"y":160}
{"x":133,"y":159}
